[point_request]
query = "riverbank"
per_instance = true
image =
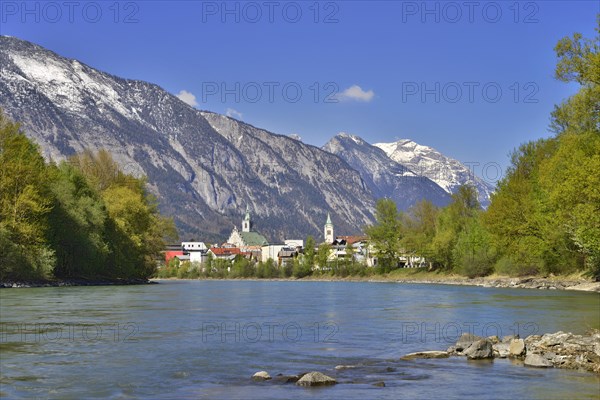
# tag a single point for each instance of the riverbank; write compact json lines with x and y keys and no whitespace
{"x":72,"y":282}
{"x":420,"y":276}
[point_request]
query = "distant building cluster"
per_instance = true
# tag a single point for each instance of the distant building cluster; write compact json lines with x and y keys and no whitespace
{"x":252,"y":245}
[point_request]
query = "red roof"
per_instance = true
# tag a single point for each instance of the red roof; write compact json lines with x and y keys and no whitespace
{"x":352,"y":239}
{"x":225,"y":251}
{"x":171,"y":254}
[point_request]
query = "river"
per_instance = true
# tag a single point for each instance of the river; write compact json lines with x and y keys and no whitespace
{"x":205,"y":339}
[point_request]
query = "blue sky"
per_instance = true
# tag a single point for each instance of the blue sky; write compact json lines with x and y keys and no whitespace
{"x":472,"y":80}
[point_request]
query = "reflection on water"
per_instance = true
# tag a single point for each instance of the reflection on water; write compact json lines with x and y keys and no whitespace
{"x":204,"y":339}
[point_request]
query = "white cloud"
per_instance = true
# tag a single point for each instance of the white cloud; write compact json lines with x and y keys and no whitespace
{"x":233,"y":113}
{"x":356,"y":93}
{"x":187,"y":98}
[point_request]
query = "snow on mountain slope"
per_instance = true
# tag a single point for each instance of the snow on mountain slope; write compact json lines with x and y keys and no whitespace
{"x":384,"y":176}
{"x":428,"y":162}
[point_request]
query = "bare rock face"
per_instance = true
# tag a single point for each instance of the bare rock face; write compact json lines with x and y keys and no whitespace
{"x":316,"y":379}
{"x":479,"y":350}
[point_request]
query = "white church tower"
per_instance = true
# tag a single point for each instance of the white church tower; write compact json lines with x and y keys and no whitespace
{"x":328,"y":230}
{"x":246,"y":222}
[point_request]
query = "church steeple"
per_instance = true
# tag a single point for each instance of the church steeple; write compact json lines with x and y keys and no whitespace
{"x":247,"y":222}
{"x":328,"y":230}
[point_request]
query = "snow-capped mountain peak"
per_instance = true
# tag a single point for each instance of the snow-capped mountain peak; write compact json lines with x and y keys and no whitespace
{"x":426,"y":161}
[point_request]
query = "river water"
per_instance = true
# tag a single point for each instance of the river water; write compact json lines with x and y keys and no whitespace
{"x":205,"y":339}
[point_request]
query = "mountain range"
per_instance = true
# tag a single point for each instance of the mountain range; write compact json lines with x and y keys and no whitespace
{"x":205,"y":168}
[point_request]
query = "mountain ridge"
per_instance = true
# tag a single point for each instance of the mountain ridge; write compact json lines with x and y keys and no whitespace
{"x":199,"y":176}
{"x":203,"y":167}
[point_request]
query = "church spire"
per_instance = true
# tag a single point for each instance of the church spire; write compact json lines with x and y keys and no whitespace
{"x":328,"y":230}
{"x":246,"y":222}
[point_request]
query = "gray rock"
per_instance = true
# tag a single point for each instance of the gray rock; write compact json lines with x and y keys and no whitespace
{"x":452,"y":350}
{"x":316,"y":379}
{"x":339,"y":367}
{"x":261,"y":376}
{"x":517,"y":348}
{"x":494,"y":339}
{"x":509,"y":338}
{"x":479,"y":350}
{"x":465,"y":341}
{"x":286,"y":378}
{"x":536,"y":360}
{"x":501,"y":350}
{"x":426,"y":354}
{"x":554,"y":339}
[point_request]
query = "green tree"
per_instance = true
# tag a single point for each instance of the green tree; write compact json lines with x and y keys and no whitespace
{"x":571,"y":175}
{"x":304,"y":265}
{"x":267,"y":269}
{"x":386,"y":233}
{"x":419,"y":228}
{"x":473,"y":253}
{"x":136,"y":229}
{"x":78,"y":226}
{"x":322,"y":255}
{"x":25,"y":201}
{"x":451,"y":221}
{"x":544,"y":215}
{"x":309,"y":252}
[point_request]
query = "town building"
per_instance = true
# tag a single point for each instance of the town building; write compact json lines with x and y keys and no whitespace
{"x":248,"y":239}
{"x":224,"y":253}
{"x":197,"y":251}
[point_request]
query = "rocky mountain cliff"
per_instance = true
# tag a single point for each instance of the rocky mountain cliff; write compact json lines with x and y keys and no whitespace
{"x":384,"y":176}
{"x":204,"y":168}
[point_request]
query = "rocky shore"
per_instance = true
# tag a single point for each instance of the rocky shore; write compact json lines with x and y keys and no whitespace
{"x":571,"y":282}
{"x":73,"y":282}
{"x":554,"y":283}
{"x":546,"y":283}
{"x":552,"y":350}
